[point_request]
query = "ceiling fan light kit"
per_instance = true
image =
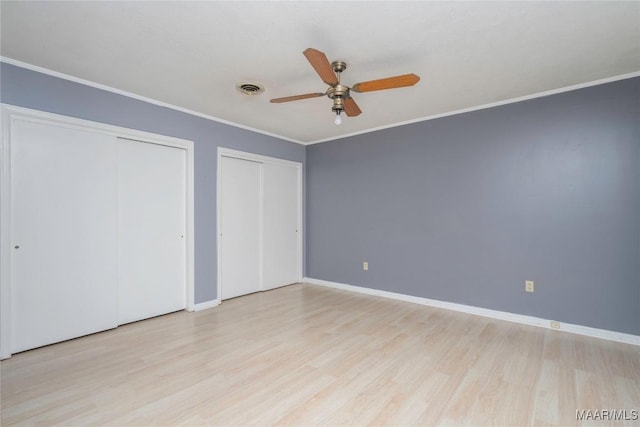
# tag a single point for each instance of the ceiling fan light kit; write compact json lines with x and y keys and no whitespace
{"x":341,"y":94}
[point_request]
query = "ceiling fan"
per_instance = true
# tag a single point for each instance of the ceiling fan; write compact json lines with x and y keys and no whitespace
{"x":341,"y":94}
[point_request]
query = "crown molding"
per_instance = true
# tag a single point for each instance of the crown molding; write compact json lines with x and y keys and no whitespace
{"x":282,"y":137}
{"x":68,"y":77}
{"x":489,"y":105}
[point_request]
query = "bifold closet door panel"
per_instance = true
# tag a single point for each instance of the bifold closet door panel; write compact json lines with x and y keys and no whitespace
{"x":64,"y":228}
{"x":281,"y":225}
{"x":240,"y":213}
{"x":151,"y":218}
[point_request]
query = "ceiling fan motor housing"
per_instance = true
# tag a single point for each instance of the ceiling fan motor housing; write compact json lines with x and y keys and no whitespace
{"x":338,"y":91}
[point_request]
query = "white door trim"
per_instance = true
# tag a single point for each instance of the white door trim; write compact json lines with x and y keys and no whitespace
{"x":228,"y":152}
{"x":10,"y":113}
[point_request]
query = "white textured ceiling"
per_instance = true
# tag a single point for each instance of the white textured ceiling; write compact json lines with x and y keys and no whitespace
{"x":192,"y":54}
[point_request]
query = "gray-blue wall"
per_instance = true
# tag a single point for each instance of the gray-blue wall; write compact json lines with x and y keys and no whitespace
{"x":460,"y":209}
{"x":466,"y":208}
{"x":25,"y":88}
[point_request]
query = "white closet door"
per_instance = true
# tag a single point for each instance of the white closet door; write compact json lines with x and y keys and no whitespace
{"x":281,"y":225}
{"x":151,"y":217}
{"x":64,"y":263}
{"x":240,"y":227}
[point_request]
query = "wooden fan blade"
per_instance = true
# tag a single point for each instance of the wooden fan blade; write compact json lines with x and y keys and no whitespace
{"x":351,"y":108}
{"x":296,"y":97}
{"x":388,"y":83}
{"x":320,"y":63}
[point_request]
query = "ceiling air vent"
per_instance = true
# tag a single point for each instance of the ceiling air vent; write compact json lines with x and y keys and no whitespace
{"x":250,"y":88}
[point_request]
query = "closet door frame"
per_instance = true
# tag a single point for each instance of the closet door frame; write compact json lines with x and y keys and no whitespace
{"x":242,"y":155}
{"x":11,"y":114}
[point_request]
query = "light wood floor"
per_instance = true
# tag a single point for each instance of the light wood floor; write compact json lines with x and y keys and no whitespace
{"x":306,"y":355}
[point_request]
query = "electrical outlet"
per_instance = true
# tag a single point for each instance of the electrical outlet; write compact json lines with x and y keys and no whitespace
{"x":529,"y":286}
{"x":554,"y":324}
{"x":365,"y":266}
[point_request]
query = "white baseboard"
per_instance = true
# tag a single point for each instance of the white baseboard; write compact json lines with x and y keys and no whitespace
{"x":207,"y":304}
{"x":485,"y":312}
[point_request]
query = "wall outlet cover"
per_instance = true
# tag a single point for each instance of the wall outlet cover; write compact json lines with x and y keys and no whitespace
{"x":529,"y":286}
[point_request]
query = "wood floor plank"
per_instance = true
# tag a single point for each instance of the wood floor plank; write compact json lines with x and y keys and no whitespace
{"x":307,"y":355}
